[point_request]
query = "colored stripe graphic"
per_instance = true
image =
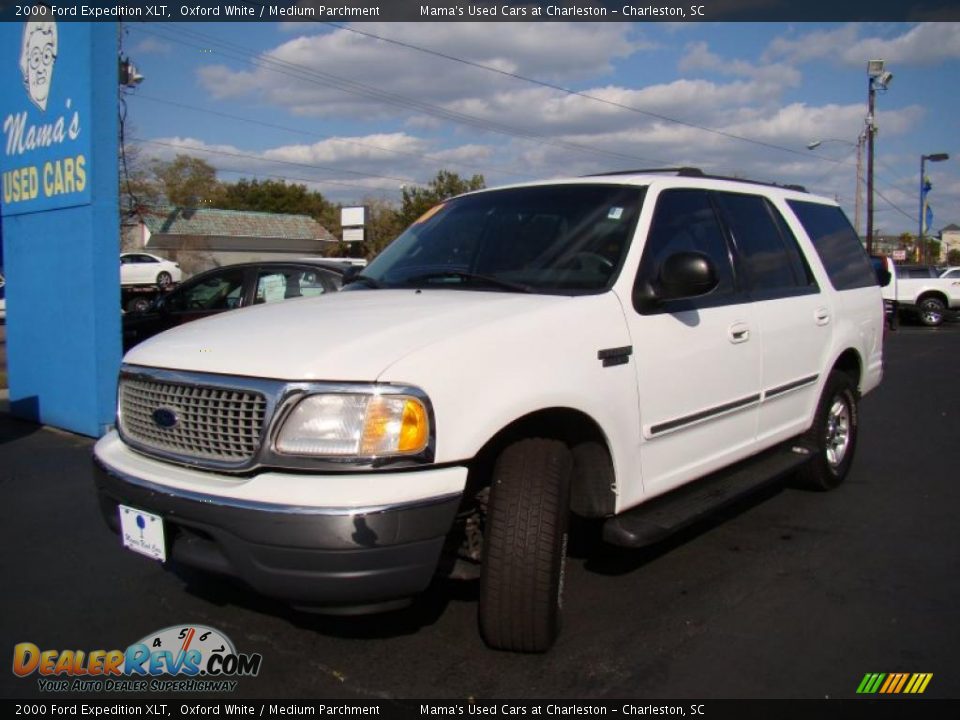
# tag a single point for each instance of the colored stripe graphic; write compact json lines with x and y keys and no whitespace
{"x":894,"y":683}
{"x":870,"y":683}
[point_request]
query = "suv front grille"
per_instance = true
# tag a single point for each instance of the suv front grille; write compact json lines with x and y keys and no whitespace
{"x":192,"y":421}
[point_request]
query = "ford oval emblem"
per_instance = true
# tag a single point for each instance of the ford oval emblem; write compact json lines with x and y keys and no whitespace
{"x":165,"y":418}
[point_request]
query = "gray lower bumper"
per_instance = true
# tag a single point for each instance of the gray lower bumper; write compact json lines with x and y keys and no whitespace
{"x":323,"y":559}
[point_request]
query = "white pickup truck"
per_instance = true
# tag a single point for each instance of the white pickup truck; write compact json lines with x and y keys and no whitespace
{"x":920,"y":290}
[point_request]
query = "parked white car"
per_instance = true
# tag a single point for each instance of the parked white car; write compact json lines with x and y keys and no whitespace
{"x":636,"y":348}
{"x":138,"y":268}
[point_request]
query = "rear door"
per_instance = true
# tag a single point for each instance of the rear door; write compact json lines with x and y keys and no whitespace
{"x":277,"y":283}
{"x":794,"y":318}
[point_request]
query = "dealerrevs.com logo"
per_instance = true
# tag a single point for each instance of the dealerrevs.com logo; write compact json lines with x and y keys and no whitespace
{"x":187,"y":658}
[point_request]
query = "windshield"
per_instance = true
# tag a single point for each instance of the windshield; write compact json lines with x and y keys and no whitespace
{"x":559,"y":239}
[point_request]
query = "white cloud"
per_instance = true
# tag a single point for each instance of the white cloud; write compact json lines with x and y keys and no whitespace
{"x":922,"y":44}
{"x":344,"y":73}
{"x":699,"y":57}
{"x":338,"y":167}
{"x":151,"y":46}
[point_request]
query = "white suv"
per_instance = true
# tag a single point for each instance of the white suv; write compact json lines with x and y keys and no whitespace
{"x":639,"y":348}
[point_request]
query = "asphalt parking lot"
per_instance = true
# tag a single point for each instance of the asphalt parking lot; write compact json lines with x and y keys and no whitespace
{"x":793,"y":594}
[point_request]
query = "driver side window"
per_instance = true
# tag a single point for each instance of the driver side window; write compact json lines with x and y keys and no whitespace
{"x":685,"y":221}
{"x":223,"y":291}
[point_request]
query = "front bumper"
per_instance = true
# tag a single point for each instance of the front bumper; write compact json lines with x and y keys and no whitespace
{"x":351,"y":556}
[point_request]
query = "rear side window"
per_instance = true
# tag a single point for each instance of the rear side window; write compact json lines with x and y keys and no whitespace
{"x":837,"y":244}
{"x":918,"y":272}
{"x":771,"y":259}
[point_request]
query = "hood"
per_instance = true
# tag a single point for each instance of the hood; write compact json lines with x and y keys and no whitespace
{"x":346,"y":336}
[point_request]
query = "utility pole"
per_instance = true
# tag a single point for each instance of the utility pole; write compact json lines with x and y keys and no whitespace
{"x":877,"y":78}
{"x":857,"y":205}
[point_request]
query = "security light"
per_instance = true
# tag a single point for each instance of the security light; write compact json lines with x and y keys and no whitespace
{"x":874,"y":68}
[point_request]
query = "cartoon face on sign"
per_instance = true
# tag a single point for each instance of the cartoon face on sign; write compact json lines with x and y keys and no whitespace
{"x":37,"y":57}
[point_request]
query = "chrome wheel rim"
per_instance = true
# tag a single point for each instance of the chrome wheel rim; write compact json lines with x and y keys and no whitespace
{"x":931,"y":317}
{"x":838,"y":432}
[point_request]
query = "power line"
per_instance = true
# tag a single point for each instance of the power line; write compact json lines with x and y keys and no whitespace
{"x":845,"y":161}
{"x":569,"y":91}
{"x":317,"y":77}
{"x":613,"y":103}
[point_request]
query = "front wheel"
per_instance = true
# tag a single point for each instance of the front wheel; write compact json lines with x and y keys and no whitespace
{"x":524,"y":547}
{"x":164,"y":279}
{"x":833,"y":436}
{"x":138,"y":305}
{"x":932,"y":311}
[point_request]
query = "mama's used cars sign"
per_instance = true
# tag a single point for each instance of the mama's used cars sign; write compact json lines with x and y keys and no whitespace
{"x":45,"y":91}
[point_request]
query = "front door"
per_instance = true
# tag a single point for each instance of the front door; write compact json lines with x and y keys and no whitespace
{"x":698,"y":360}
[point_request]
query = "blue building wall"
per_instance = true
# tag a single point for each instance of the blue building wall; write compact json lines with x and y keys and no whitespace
{"x":61,"y":237}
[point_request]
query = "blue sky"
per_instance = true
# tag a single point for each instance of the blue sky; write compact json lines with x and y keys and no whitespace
{"x":358,"y":117}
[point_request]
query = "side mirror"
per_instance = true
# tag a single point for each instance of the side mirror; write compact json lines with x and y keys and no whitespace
{"x":682,"y":275}
{"x":882,"y":270}
{"x":687,"y":274}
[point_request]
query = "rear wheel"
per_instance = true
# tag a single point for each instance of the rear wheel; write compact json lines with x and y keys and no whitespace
{"x":833,"y":436}
{"x":932,"y":311}
{"x":524,"y":546}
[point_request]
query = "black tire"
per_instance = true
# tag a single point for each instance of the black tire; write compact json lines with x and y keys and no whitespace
{"x":833,"y":436}
{"x":164,"y":279}
{"x":932,"y":311}
{"x":524,"y":546}
{"x":138,"y":304}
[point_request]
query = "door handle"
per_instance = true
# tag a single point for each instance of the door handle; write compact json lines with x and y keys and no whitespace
{"x":821,"y":316}
{"x":739,"y":332}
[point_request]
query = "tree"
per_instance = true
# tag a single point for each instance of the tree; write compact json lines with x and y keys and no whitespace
{"x":274,"y":196}
{"x":186,"y":181}
{"x":953,"y":257}
{"x":417,"y":200}
{"x":138,"y":188}
{"x":931,"y":250}
{"x":138,"y":191}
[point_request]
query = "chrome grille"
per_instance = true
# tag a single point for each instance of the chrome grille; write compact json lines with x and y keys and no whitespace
{"x":211,"y":423}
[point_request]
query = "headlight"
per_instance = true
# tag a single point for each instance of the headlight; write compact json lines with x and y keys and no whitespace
{"x":355,"y":425}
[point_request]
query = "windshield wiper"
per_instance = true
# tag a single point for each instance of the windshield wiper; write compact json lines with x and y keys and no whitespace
{"x":473,"y":277}
{"x":366,"y":280}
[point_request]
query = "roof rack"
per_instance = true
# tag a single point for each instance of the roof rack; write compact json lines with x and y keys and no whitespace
{"x":698,"y":173}
{"x":680,"y":171}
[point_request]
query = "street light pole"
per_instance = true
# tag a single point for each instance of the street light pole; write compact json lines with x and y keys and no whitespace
{"x":861,"y":139}
{"x":934,"y":157}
